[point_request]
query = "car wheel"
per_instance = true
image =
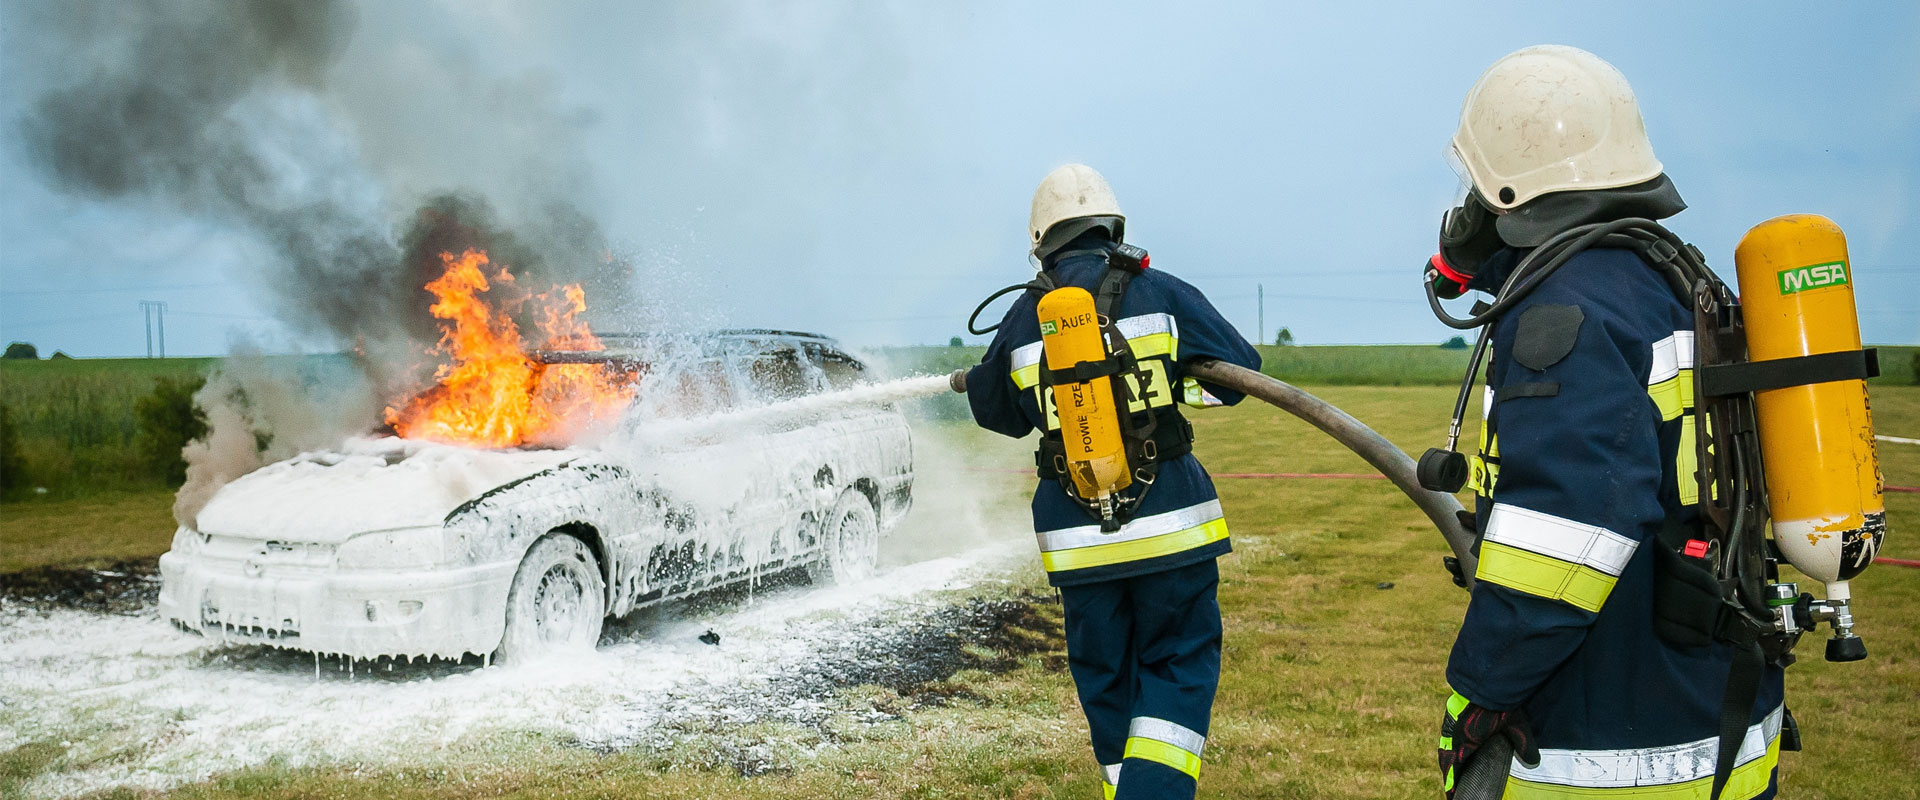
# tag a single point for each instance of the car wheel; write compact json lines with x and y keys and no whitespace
{"x":849,"y":541}
{"x":558,"y":601}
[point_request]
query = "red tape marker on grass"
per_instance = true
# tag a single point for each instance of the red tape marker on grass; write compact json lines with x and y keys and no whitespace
{"x":1347,"y":476}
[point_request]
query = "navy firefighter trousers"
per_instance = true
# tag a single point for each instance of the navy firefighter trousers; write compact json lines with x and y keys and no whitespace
{"x":1145,"y":657}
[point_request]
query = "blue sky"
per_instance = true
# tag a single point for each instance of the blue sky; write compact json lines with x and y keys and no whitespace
{"x":863,"y":170}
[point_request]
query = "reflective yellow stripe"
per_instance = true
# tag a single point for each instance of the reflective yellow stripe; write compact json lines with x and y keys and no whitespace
{"x":1748,"y":780}
{"x":1163,"y":753}
{"x":1197,"y":396}
{"x":1673,"y":396}
{"x":1155,"y":344}
{"x":1136,"y":550}
{"x":1108,"y":790}
{"x":1685,"y":462}
{"x":1482,"y":475}
{"x":1026,"y":377}
{"x":1666,"y":397}
{"x":1544,"y":576}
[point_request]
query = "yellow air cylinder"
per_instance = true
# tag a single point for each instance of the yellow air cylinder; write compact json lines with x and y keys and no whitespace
{"x":1823,"y":474}
{"x":1089,"y":420}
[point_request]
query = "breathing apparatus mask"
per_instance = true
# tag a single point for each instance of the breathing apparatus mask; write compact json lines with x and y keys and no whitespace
{"x":1551,"y":229}
{"x":1468,"y":237}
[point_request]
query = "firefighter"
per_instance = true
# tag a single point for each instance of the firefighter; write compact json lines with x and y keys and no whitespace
{"x":1586,"y":465}
{"x":1142,"y":619}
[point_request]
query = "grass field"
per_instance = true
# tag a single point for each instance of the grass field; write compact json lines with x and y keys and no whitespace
{"x":1332,"y":684}
{"x":77,"y":429}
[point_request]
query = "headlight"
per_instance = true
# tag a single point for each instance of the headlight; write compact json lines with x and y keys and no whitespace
{"x":407,"y":548}
{"x":187,"y":541}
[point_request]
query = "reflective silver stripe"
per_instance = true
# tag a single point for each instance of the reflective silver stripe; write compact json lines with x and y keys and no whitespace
{"x":1172,"y":733}
{"x":1670,"y":355}
{"x":1026,"y":356}
{"x":1132,"y":328}
{"x":1110,"y":773}
{"x":1148,"y":324}
{"x":1560,"y":538}
{"x":1486,"y":404}
{"x":1140,"y":528}
{"x":1652,"y":766}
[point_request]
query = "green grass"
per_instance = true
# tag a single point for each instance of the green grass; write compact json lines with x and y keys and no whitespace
{"x":75,"y":419}
{"x":93,"y":530}
{"x":1365,"y":365}
{"x":1331,"y":688}
{"x":78,"y":433}
{"x":1333,"y":365}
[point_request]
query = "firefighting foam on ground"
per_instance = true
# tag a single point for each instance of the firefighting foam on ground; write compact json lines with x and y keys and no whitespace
{"x":188,"y":706}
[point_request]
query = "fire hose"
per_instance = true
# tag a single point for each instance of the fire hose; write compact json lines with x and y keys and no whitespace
{"x":1485,"y":776}
{"x":1441,"y":508}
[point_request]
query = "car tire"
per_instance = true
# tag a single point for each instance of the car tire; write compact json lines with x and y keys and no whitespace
{"x":849,"y":541}
{"x":557,"y":602}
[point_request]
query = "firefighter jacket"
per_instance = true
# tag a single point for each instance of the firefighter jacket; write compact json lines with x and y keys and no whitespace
{"x":1586,"y":449}
{"x":1167,"y":323}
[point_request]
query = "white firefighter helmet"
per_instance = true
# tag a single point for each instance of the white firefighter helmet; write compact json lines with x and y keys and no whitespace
{"x":1551,"y":118}
{"x":1072,"y":192}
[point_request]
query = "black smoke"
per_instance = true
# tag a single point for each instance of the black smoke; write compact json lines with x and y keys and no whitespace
{"x":225,"y":111}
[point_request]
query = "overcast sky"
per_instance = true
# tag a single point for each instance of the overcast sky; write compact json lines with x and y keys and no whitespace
{"x":863,"y":170}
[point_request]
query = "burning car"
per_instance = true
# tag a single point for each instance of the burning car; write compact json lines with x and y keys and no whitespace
{"x":404,"y":546}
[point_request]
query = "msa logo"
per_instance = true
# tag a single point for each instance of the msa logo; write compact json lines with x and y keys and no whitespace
{"x":1049,"y":328}
{"x":1818,"y":276}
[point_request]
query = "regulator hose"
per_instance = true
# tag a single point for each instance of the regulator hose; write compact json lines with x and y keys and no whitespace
{"x":1035,"y":284}
{"x":1441,"y":508}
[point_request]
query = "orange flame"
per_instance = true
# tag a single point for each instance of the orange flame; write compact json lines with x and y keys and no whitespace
{"x":491,"y":393}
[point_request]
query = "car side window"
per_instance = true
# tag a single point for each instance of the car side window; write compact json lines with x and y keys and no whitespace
{"x":780,"y":375}
{"x":841,"y":372}
{"x":703,"y":387}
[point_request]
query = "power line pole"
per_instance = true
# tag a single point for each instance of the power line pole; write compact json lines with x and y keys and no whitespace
{"x":1263,"y":312}
{"x":152,"y":312}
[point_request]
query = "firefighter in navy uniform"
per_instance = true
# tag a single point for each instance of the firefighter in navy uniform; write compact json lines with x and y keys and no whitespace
{"x":1587,"y":454}
{"x":1142,"y":620}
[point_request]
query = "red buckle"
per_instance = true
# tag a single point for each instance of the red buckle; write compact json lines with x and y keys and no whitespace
{"x":1695,"y":549}
{"x":1439,"y":263}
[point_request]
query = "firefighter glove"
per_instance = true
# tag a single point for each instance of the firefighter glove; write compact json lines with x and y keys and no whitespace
{"x":1468,"y":727}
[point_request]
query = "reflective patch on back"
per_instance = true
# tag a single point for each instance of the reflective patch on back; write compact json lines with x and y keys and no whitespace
{"x":1546,"y":335}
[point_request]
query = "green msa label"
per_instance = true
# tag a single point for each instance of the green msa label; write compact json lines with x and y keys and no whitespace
{"x":1818,"y":276}
{"x":1049,"y":327}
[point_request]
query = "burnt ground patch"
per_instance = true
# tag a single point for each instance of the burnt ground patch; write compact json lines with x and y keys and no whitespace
{"x":910,"y":658}
{"x":915,"y":660}
{"x":123,"y":587}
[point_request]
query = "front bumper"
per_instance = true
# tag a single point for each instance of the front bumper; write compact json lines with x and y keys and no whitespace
{"x":364,"y":614}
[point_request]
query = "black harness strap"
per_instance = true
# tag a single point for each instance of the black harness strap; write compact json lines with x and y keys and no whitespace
{"x":1722,"y":380}
{"x":1736,"y":705}
{"x":1083,"y":371}
{"x":1148,"y":442}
